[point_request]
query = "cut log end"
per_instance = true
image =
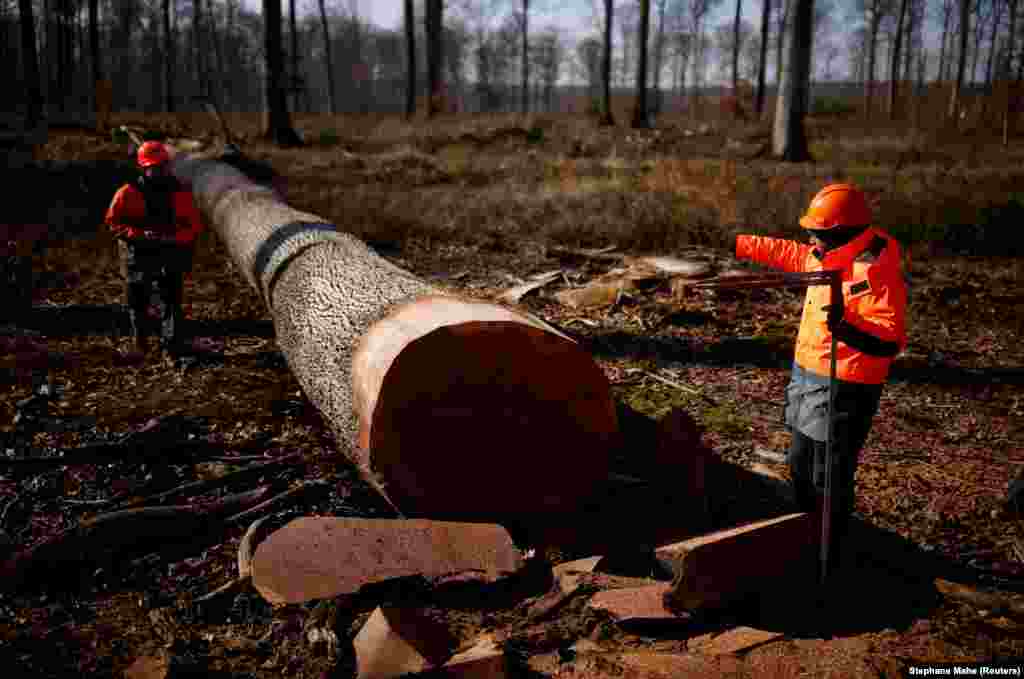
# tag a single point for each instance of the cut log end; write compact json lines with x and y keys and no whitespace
{"x":481,"y":420}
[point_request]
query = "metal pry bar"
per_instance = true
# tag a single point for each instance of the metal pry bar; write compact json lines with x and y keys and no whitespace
{"x":833,"y":279}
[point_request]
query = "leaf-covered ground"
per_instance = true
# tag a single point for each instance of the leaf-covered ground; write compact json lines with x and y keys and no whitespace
{"x":475,"y":209}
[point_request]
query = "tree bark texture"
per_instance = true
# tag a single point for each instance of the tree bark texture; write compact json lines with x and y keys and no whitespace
{"x":943,"y":49}
{"x":410,"y":58}
{"x":894,"y":65}
{"x":293,"y":70}
{"x":736,"y":50}
{"x":961,"y":64}
{"x":766,"y":9}
{"x":525,"y":36}
{"x":789,"y":141}
{"x":607,"y":117}
{"x":434,"y":23}
{"x":659,"y":58}
{"x":279,"y":123}
{"x":35,"y":107}
{"x":640,"y":119}
{"x":993,"y":42}
{"x":456,"y":408}
{"x":327,"y":56}
{"x":874,"y":23}
{"x":169,"y":60}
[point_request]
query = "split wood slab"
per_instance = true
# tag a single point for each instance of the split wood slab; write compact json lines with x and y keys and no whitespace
{"x":715,"y":570}
{"x":323,"y":557}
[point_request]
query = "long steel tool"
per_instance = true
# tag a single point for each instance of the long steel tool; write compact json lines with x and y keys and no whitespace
{"x":833,"y":279}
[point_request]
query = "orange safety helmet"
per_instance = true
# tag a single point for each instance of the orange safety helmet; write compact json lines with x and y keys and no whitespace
{"x":152,"y":153}
{"x":837,"y":205}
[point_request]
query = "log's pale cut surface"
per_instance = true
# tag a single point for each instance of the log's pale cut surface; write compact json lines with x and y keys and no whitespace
{"x":458,"y":408}
{"x":319,"y":557}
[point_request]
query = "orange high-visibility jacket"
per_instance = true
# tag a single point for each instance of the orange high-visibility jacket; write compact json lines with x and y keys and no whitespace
{"x":874,"y":293}
{"x":127,"y":216}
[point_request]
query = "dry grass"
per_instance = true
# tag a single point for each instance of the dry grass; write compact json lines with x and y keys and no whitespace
{"x":564,"y":178}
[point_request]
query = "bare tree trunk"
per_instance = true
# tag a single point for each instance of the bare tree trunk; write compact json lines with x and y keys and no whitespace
{"x":976,"y":51}
{"x":659,"y":57}
{"x":961,"y":64}
{"x":327,"y":56}
{"x":997,"y":11}
{"x":434,"y":23}
{"x":640,"y":119}
{"x":942,"y":50}
{"x":525,"y":91}
{"x":202,"y":64}
{"x":1010,"y":85}
{"x":607,"y":118}
{"x":94,"y":42}
{"x":365,"y":340}
{"x":169,"y":60}
{"x":869,"y":80}
{"x":35,"y":105}
{"x":216,"y":95}
{"x":789,"y":141}
{"x":410,"y":59}
{"x":894,"y":65}
{"x":736,"y":50}
{"x":293,"y":67}
{"x":279,"y":128}
{"x":766,"y":9}
{"x":783,"y":22}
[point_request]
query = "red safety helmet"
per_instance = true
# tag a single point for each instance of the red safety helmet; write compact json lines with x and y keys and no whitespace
{"x":837,"y":205}
{"x":152,"y":153}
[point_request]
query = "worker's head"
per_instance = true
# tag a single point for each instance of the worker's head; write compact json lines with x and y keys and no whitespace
{"x":152,"y":157}
{"x":837,"y":214}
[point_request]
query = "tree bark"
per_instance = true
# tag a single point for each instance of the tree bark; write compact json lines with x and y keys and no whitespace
{"x":659,"y":57}
{"x":607,"y":117}
{"x":894,"y":65}
{"x":169,"y":60}
{"x":279,"y":128}
{"x":216,"y":95}
{"x":766,"y":8}
{"x":942,"y":51}
{"x":410,"y":58}
{"x":434,"y":23}
{"x":525,"y":85}
{"x":789,"y":141}
{"x":327,"y":56}
{"x":35,"y":106}
{"x":965,"y":22}
{"x":993,"y":46}
{"x":869,"y":79}
{"x":780,"y":43}
{"x":94,"y":42}
{"x":640,"y":119}
{"x":293,"y":71}
{"x":736,"y":50}
{"x":1010,"y":85}
{"x":416,"y":384}
{"x":976,"y":52}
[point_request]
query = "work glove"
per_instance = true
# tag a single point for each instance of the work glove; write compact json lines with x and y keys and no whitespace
{"x":835,"y":311}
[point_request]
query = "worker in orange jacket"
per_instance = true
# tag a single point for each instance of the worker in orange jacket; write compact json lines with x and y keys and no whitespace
{"x":158,"y":222}
{"x":870,"y":328}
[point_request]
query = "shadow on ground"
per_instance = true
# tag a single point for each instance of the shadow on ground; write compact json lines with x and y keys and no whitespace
{"x":769,"y":353}
{"x":112,"y":319}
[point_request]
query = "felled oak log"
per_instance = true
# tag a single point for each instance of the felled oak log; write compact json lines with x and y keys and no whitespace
{"x":456,"y":408}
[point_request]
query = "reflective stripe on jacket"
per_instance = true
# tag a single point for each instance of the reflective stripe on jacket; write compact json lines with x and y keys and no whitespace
{"x":874,"y":293}
{"x":128,"y":217}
